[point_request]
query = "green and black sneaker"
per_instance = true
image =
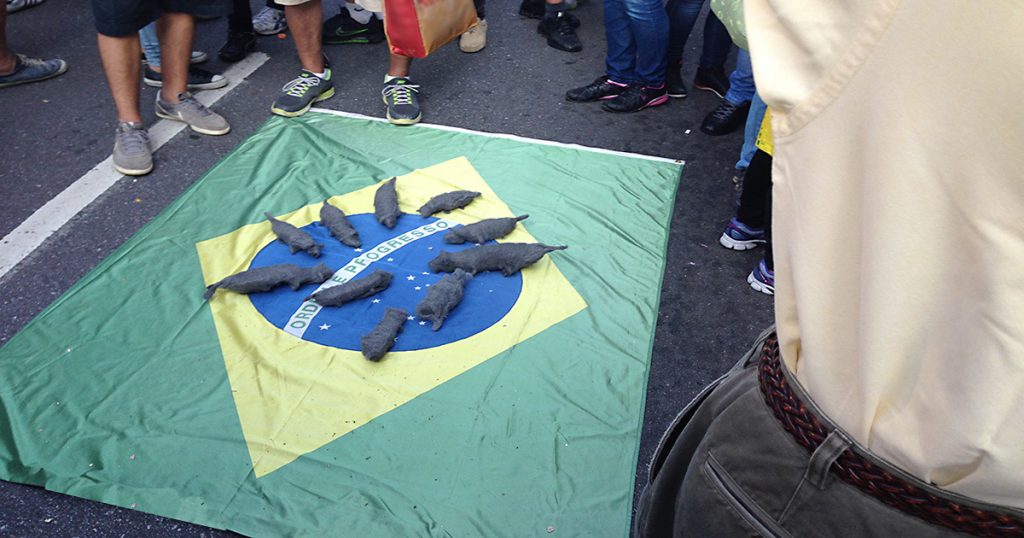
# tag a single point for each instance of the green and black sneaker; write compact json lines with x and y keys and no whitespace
{"x":342,"y":29}
{"x":403,"y":104}
{"x":299,"y":95}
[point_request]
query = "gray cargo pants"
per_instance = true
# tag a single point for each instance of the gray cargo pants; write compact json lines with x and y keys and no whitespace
{"x":726,"y":467}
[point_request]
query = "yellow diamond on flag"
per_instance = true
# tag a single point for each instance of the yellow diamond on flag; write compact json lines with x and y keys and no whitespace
{"x":293,"y":395}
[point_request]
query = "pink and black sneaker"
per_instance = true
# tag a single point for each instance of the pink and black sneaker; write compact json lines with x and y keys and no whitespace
{"x":601,"y":89}
{"x":637,"y":98}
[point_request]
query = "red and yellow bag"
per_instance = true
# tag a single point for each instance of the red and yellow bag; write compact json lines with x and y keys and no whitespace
{"x":415,"y":28}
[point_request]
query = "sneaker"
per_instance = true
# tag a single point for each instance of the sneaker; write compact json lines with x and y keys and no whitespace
{"x":301,"y":92}
{"x":18,"y":5}
{"x":674,"y":82}
{"x":198,"y":79}
{"x":342,"y":29}
{"x":132,"y":154}
{"x":475,"y":39}
{"x":536,"y":10}
{"x":636,"y":98}
{"x":28,"y":69}
{"x":560,"y":33}
{"x":238,"y":45}
{"x":725,"y":119}
{"x":601,"y":89}
{"x":713,"y":80}
{"x":762,"y":279}
{"x":201,"y":119}
{"x":269,"y":21}
{"x":403,"y":105}
{"x":738,"y":236}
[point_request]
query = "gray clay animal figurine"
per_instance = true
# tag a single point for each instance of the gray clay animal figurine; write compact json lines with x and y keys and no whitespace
{"x":483,"y":231}
{"x":296,"y":238}
{"x":443,"y":297}
{"x":447,"y":202}
{"x":353,"y":289}
{"x":376,"y":343}
{"x":270,"y":277}
{"x":385,"y":204}
{"x":336,"y":221}
{"x":509,"y":258}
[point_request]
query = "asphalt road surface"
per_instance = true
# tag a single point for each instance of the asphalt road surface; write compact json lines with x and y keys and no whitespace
{"x":55,"y":132}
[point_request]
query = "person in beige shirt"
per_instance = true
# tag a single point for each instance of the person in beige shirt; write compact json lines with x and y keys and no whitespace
{"x":890,"y":401}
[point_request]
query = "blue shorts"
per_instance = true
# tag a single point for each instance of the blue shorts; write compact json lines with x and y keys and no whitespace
{"x":120,"y":18}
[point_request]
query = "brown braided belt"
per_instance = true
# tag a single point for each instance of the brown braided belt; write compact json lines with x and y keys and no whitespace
{"x":866,"y":475}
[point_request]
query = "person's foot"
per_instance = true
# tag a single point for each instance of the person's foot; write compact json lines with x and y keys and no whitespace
{"x":674,"y":82}
{"x":560,"y":33}
{"x":601,"y":89}
{"x":269,"y":21}
{"x":536,"y":10}
{"x":198,"y":79}
{"x":301,"y":92}
{"x":762,"y":279}
{"x":342,"y":29}
{"x":199,"y":118}
{"x":636,"y":98}
{"x":725,"y":119}
{"x":132,"y":154}
{"x":28,"y":69}
{"x":713,"y":80}
{"x":18,"y":5}
{"x":475,"y":39}
{"x":402,"y":100}
{"x":739,"y":236}
{"x":238,"y":45}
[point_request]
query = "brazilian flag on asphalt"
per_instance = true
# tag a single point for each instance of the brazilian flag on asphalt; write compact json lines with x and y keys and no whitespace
{"x":257,"y":413}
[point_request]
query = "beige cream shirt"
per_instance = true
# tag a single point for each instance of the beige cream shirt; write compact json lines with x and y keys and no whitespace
{"x":899,"y":225}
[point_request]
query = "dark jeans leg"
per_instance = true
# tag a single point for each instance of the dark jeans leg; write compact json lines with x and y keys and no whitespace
{"x":682,"y":15}
{"x":479,"y":4}
{"x":717,"y":43}
{"x":620,"y":57}
{"x":648,"y":23}
{"x":757,"y":184}
{"x":240,"y":20}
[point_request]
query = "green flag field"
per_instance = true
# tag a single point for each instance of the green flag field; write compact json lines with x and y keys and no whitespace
{"x":520,"y":415}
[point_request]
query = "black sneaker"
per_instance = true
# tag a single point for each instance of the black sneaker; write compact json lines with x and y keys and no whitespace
{"x":403,"y":103}
{"x":713,"y":80}
{"x":198,"y":79}
{"x":536,"y":10}
{"x":725,"y":119}
{"x":560,"y":33}
{"x":674,"y":82}
{"x":301,"y":92}
{"x":238,"y":45}
{"x":637,"y":98}
{"x":599,"y":90}
{"x":342,"y":29}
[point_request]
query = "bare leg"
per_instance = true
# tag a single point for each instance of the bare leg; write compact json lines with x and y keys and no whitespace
{"x":176,"y":32}
{"x":7,"y":61}
{"x":121,"y":64}
{"x":399,"y":65}
{"x":306,"y":21}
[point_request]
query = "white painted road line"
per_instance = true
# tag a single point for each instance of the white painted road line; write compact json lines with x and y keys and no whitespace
{"x":31,"y":233}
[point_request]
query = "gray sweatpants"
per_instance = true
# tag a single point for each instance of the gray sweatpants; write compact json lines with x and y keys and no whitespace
{"x":726,"y":467}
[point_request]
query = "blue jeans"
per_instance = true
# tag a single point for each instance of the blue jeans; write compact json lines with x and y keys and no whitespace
{"x":741,"y":81}
{"x":150,"y":44}
{"x":637,"y":36}
{"x":682,"y":15}
{"x":754,"y":118}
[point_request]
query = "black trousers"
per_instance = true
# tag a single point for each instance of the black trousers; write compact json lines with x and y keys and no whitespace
{"x":755,"y":208}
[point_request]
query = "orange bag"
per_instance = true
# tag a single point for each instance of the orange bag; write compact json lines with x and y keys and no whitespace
{"x":415,"y":28}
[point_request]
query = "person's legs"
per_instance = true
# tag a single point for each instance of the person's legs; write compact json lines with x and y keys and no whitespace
{"x":717,"y":43}
{"x":120,"y":57}
{"x":306,"y":20}
{"x":648,"y":23}
{"x":240,"y":20}
{"x":746,"y":230}
{"x":177,"y":31}
{"x":682,"y":15}
{"x":398,"y":65}
{"x":750,"y":130}
{"x":741,"y":81}
{"x":241,"y":36}
{"x":150,"y":42}
{"x":558,"y":26}
{"x":620,"y":57}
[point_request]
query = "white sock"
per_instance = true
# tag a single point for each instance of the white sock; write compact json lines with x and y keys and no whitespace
{"x":322,"y":75}
{"x":389,"y":78}
{"x":357,"y":13}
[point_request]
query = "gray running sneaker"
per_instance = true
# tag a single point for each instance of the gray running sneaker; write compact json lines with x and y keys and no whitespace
{"x":32,"y":70}
{"x":299,"y":95}
{"x":201,"y":119}
{"x":18,"y":5}
{"x":403,"y":105}
{"x":132,"y":154}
